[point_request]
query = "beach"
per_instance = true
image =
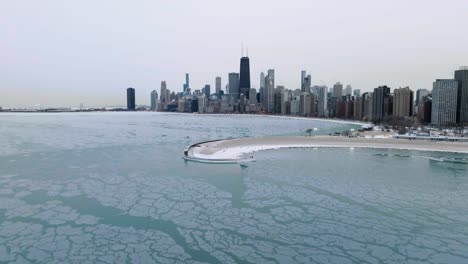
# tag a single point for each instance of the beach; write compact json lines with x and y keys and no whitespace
{"x":243,"y":147}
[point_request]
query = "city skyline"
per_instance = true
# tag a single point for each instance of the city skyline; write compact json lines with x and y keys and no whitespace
{"x":56,"y":58}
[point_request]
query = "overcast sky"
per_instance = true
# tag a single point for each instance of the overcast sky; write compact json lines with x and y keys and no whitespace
{"x":63,"y":53}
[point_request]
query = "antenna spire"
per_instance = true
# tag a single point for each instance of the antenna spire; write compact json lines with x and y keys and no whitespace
{"x":242,"y":55}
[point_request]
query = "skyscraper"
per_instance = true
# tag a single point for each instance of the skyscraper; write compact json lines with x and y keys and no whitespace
{"x":244,"y":78}
{"x":164,"y":98}
{"x":154,"y":100}
{"x":403,"y":102}
{"x":322,"y":94}
{"x":130,"y":99}
{"x":348,"y":90}
{"x":303,"y":81}
{"x":234,"y":85}
{"x":207,"y":91}
{"x":218,"y":84}
{"x":444,"y":102}
{"x":269,"y":91}
{"x":187,"y":83}
{"x":262,"y":80}
{"x":338,"y":90}
{"x":380,"y":96}
{"x":420,"y":93}
{"x":461,"y":76}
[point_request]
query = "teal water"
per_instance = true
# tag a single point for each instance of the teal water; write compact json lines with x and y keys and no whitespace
{"x":112,"y":188}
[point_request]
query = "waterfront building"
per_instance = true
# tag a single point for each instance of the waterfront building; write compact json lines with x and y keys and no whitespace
{"x":295,"y":105}
{"x":461,"y":76}
{"x":154,"y":100}
{"x":218,"y":85}
{"x":130,"y":99}
{"x":286,"y":102}
{"x":277,"y":102}
{"x":444,"y":102}
{"x":322,"y":98}
{"x":403,"y":102}
{"x":244,"y":77}
{"x":349,"y":109}
{"x":357,"y":108}
{"x":338,"y":90}
{"x":380,"y":102}
{"x":234,"y":85}
{"x":425,"y":109}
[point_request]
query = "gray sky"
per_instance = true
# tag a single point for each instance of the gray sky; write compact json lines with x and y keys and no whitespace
{"x":61,"y":53}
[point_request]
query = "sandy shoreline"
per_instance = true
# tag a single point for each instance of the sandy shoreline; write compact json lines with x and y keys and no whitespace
{"x":238,"y":148}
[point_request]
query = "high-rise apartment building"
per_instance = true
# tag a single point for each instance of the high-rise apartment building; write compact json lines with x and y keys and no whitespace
{"x":322,"y":98}
{"x":403,"y":102}
{"x":130,"y":99}
{"x":217,"y":84}
{"x":461,"y":76}
{"x":269,"y":91}
{"x":444,"y":102}
{"x":154,"y":100}
{"x":338,"y":90}
{"x":207,"y":91}
{"x":380,"y":102}
{"x":348,"y":90}
{"x":163,"y":93}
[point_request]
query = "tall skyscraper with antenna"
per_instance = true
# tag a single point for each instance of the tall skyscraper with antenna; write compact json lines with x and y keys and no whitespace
{"x":244,"y":78}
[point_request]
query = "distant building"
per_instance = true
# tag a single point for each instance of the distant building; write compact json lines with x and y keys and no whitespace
{"x":461,"y":76}
{"x":253,"y":97}
{"x":348,"y":90}
{"x":403,"y":102}
{"x":130,"y":99}
{"x":306,"y":82}
{"x":154,"y":100}
{"x":164,"y":98}
{"x":420,"y":93}
{"x":322,"y":98}
{"x":234,"y":85}
{"x":244,"y":77}
{"x":303,"y":81}
{"x":444,"y":102}
{"x":218,"y":85}
{"x":269,"y":91}
{"x":207,"y":91}
{"x":338,"y":90}
{"x":357,"y":92}
{"x":187,"y":83}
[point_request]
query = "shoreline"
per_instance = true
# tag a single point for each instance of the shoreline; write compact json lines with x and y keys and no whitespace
{"x":234,"y":149}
